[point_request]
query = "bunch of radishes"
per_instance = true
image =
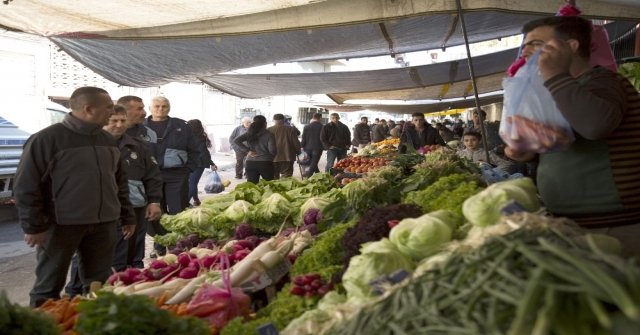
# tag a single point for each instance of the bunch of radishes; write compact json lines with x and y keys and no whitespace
{"x":310,"y":285}
{"x":186,"y":265}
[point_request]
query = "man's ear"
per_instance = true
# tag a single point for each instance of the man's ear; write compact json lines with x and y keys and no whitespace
{"x":574,"y":44}
{"x":88,"y":110}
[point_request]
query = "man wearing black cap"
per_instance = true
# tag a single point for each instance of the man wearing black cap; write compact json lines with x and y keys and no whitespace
{"x":288,"y":147}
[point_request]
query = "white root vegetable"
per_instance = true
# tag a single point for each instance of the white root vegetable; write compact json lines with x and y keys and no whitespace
{"x":186,"y":292}
{"x":126,"y":290}
{"x":165,"y":288}
{"x":146,"y":285}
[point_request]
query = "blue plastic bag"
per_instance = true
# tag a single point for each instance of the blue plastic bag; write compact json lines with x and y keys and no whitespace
{"x":214,"y":184}
{"x":531,"y":121}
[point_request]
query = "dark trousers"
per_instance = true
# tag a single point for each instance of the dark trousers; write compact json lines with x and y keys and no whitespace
{"x":257,"y":169}
{"x":240,"y":161}
{"x":94,"y":244}
{"x":282,"y":170}
{"x":175,"y":198}
{"x":194,"y":178}
{"x":314,"y":158}
{"x":332,"y":155}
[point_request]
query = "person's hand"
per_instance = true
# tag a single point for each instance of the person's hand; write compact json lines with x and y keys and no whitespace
{"x":252,"y":154}
{"x":214,"y":167}
{"x":517,"y":155}
{"x":128,"y":230}
{"x":35,"y":240}
{"x":555,"y":58}
{"x":153,"y":212}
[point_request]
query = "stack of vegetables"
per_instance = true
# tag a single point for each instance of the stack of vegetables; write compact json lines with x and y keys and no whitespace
{"x":265,"y":207}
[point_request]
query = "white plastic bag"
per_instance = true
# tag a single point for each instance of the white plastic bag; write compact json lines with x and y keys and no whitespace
{"x":214,"y":184}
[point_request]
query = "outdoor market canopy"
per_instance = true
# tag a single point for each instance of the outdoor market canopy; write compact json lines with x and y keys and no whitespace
{"x":148,"y":43}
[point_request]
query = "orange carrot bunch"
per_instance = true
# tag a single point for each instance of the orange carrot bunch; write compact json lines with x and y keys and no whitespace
{"x":64,"y":313}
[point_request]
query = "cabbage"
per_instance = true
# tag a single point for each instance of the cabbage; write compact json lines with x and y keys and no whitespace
{"x":270,"y":213}
{"x":237,"y":212}
{"x":377,"y":259}
{"x":483,"y":209}
{"x":424,"y":236}
{"x":312,"y":203}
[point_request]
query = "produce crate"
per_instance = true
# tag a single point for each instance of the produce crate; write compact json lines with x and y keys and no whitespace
{"x":334,"y":171}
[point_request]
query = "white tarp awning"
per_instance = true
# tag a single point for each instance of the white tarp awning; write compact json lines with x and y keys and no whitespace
{"x":188,"y":18}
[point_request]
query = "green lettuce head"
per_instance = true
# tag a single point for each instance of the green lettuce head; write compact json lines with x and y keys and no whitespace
{"x":377,"y":259}
{"x":483,"y":209}
{"x":424,"y":236}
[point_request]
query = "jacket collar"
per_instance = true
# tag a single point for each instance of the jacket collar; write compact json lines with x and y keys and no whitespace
{"x":127,"y":140}
{"x":79,"y":126}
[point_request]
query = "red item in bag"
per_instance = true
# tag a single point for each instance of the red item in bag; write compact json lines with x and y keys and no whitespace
{"x":219,"y":305}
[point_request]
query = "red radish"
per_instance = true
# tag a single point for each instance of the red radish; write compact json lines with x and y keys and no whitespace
{"x":148,"y":274}
{"x":298,"y":281}
{"x":314,"y":276}
{"x":297,"y":290}
{"x":308,"y":279}
{"x":316,"y":284}
{"x":188,"y":273}
{"x":241,"y":254}
{"x":308,"y":288}
{"x":158,"y":264}
{"x":194,"y":263}
{"x":323,"y":290}
{"x":208,"y":260}
{"x":119,"y":277}
{"x":169,"y":269}
{"x":192,"y":255}
{"x":139,"y":278}
{"x":309,"y":294}
{"x":133,"y":272}
{"x":392,"y":223}
{"x":244,"y":244}
{"x":184,"y":259}
{"x":292,"y":258}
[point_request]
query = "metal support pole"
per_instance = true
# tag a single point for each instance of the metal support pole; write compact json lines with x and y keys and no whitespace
{"x":473,"y":80}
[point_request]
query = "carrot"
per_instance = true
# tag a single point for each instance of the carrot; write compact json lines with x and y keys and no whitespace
{"x":182,"y":310}
{"x":161,"y":300}
{"x":76,"y":299}
{"x":69,"y":323}
{"x":63,"y":310}
{"x":46,"y":304}
{"x":71,"y":311}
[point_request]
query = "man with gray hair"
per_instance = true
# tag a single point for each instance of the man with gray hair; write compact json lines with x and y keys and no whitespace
{"x":177,"y":154}
{"x":240,"y":156}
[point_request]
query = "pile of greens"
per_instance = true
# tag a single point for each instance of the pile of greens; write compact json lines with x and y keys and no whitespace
{"x":18,"y":320}
{"x":448,"y":193}
{"x":132,"y":314}
{"x":529,"y":281}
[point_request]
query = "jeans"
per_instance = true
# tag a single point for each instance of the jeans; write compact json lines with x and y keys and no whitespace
{"x":194,"y":178}
{"x":314,"y":157}
{"x":332,"y":154}
{"x":257,"y":169}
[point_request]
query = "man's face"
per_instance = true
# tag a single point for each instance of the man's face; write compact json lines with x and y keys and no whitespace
{"x":418,"y":121}
{"x":535,"y":40}
{"x":471,"y":142}
{"x":364,"y":120}
{"x":135,"y":112}
{"x":335,"y":118}
{"x":160,"y":108}
{"x":102,"y":110}
{"x":117,"y":125}
{"x":246,"y":123}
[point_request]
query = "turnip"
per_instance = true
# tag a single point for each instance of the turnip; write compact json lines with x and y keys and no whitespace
{"x":175,"y":251}
{"x":241,"y":254}
{"x":158,"y":264}
{"x":255,"y":240}
{"x":139,"y":278}
{"x":169,"y":270}
{"x":148,"y":274}
{"x":188,"y":273}
{"x":170,"y":258}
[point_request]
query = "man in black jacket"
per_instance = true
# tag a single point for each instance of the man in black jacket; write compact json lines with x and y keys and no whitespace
{"x":336,"y":139}
{"x":70,"y":191}
{"x":362,"y":133}
{"x":419,"y":134}
{"x":177,"y":154}
{"x":311,"y":143}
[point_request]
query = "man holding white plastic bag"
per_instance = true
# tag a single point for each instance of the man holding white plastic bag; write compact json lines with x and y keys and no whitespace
{"x":596,"y":180}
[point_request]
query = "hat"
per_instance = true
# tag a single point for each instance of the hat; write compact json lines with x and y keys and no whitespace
{"x":278,"y":117}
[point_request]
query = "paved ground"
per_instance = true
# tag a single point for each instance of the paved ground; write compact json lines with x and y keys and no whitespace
{"x":17,"y":260}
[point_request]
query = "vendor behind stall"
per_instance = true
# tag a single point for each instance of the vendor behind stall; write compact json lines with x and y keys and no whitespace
{"x":419,"y":134}
{"x":596,"y":181}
